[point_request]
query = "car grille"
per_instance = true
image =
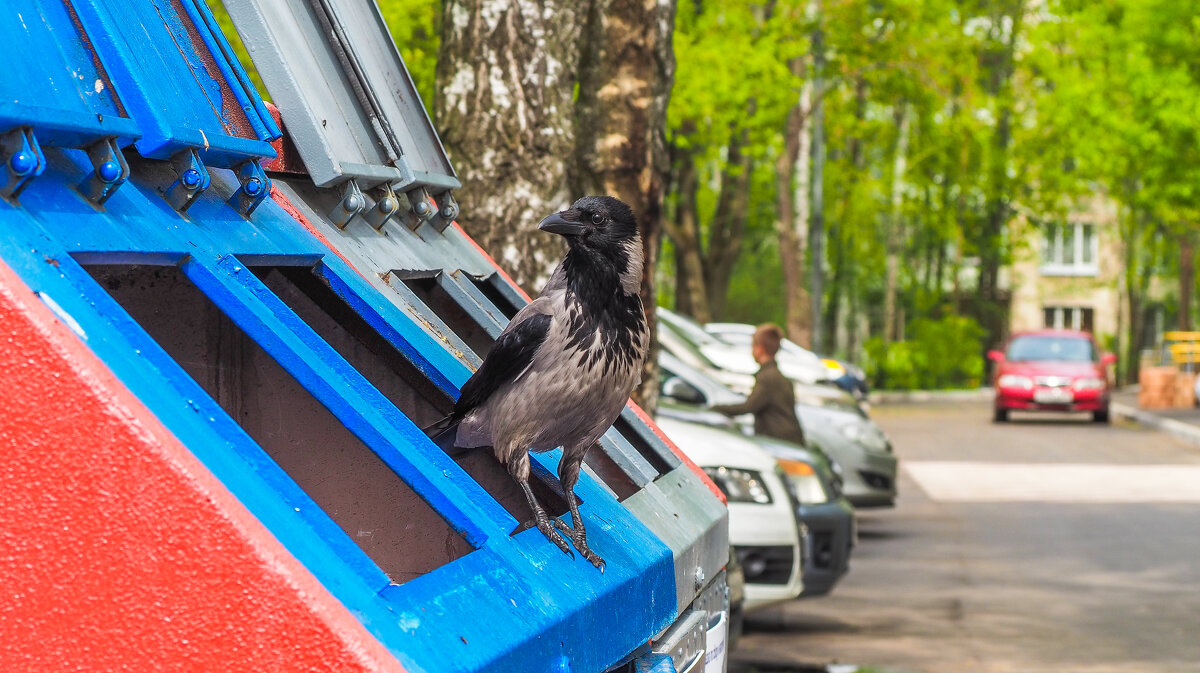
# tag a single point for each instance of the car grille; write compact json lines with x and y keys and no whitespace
{"x":766,"y":565}
{"x":1052,"y":381}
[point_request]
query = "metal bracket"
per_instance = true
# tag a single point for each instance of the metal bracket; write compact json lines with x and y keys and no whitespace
{"x":255,"y":185}
{"x":192,"y":181}
{"x":385,"y":206}
{"x":351,"y":204}
{"x":419,"y":208}
{"x":22,"y":161}
{"x":109,"y":171}
{"x":447,"y":211}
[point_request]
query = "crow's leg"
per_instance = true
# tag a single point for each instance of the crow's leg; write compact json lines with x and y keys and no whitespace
{"x":568,"y":475}
{"x":518,"y":467}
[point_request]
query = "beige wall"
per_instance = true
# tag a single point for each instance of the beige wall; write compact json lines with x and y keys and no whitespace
{"x":1034,"y":287}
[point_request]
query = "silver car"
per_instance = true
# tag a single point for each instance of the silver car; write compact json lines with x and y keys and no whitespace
{"x":832,"y":421}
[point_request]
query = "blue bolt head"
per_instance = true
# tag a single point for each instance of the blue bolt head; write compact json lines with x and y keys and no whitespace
{"x":253,"y":187}
{"x":190,"y":178}
{"x":22,"y":163}
{"x":109,"y":171}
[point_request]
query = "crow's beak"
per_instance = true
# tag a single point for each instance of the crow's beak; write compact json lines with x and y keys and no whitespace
{"x":557,"y":224}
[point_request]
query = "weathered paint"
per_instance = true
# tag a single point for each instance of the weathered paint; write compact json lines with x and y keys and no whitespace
{"x":536,"y":597}
{"x":121,"y":551}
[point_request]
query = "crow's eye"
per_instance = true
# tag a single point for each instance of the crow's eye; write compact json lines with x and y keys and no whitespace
{"x":597,"y":218}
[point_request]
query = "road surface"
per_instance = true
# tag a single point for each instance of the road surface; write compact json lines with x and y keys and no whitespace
{"x":1046,"y":544}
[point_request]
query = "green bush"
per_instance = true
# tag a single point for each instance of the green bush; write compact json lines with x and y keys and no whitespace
{"x":940,"y":354}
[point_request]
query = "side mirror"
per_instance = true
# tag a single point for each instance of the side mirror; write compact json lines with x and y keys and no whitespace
{"x":995,"y":356}
{"x":1108,"y":359}
{"x":682,"y":391}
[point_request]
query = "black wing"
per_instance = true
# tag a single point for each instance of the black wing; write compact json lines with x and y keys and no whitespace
{"x":509,"y":356}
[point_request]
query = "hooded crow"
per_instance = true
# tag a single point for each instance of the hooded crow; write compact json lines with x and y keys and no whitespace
{"x":562,"y":370}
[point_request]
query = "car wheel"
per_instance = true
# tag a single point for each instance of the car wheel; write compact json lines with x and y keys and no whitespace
{"x":1100,"y":416}
{"x":1000,"y":415}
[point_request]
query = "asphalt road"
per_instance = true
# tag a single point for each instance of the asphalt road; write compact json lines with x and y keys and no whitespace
{"x":1039,"y":545}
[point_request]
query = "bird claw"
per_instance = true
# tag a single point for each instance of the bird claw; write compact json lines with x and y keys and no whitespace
{"x":579,"y":539}
{"x":550,"y":531}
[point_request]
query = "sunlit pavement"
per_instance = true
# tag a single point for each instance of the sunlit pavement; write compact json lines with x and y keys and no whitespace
{"x":1045,"y":544}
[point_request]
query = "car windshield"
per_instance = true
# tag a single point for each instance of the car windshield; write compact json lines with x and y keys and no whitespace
{"x":1051,"y":348}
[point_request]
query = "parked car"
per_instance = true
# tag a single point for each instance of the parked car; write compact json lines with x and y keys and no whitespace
{"x":763,"y":529}
{"x":795,"y":361}
{"x":1052,"y":370}
{"x":792,"y":356}
{"x":832,"y":421}
{"x":813,"y":478}
{"x":734,"y":364}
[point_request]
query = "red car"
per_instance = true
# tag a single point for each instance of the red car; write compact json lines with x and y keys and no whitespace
{"x":1052,"y":370}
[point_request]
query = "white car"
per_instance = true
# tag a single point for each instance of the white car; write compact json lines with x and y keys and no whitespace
{"x":763,"y":529}
{"x":795,"y":361}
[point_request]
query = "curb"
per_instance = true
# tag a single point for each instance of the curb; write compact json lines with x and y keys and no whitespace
{"x":924,"y":396}
{"x":1178,"y":429}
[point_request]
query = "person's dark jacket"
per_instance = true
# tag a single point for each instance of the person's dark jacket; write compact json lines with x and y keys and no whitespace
{"x":773,"y":403}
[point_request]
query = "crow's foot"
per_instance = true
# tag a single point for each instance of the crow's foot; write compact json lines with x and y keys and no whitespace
{"x":579,"y":539}
{"x":549,"y":528}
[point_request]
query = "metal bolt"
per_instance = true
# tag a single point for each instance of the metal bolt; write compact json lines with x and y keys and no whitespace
{"x":190,"y":178}
{"x":253,"y":187}
{"x":422,"y":209}
{"x":449,"y":211}
{"x":352,"y":203}
{"x":22,"y":163}
{"x":109,"y":171}
{"x":388,"y":205}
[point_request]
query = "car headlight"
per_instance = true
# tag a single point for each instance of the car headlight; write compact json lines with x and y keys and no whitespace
{"x":802,"y":479}
{"x":740,"y":485}
{"x":1015,"y":381}
{"x":868,"y":437}
{"x":1089,"y":383}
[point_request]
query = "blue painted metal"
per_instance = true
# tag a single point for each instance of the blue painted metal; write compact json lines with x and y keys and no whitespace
{"x":21,"y":160}
{"x":538,"y":601}
{"x":52,"y":78}
{"x":173,"y":78}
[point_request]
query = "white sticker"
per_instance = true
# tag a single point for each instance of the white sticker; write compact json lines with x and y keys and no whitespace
{"x":714,"y":658}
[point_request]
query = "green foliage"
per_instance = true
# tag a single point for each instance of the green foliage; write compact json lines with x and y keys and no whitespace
{"x":941,"y":354}
{"x":416,"y":28}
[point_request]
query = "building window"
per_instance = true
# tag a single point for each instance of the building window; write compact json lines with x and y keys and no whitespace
{"x":1067,"y":317}
{"x":1070,"y":249}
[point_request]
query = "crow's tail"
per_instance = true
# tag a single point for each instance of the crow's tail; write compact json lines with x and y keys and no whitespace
{"x":443,"y":433}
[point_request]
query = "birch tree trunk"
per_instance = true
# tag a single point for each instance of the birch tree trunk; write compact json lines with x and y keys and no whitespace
{"x":895,"y":232}
{"x":792,"y":223}
{"x":624,"y":86}
{"x":505,"y":77}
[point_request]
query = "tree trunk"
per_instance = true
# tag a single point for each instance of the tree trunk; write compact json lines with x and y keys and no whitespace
{"x":625,"y":82}
{"x":816,"y":223}
{"x":895,"y":233}
{"x":505,"y":76}
{"x":728,"y":223}
{"x":841,"y":233}
{"x":792,"y":207}
{"x":690,"y":291}
{"x":1187,"y":281}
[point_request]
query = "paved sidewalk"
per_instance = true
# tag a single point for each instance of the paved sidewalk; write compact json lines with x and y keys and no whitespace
{"x":1181,"y":423}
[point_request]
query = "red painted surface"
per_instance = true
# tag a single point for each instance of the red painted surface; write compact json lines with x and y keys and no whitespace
{"x":291,"y":209}
{"x":287,"y":157}
{"x":119,"y":551}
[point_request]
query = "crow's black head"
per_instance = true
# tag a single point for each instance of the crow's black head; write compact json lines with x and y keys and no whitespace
{"x":596,"y":222}
{"x":605,"y":248}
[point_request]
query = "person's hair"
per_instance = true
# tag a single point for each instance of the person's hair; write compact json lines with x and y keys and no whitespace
{"x":768,"y":336}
